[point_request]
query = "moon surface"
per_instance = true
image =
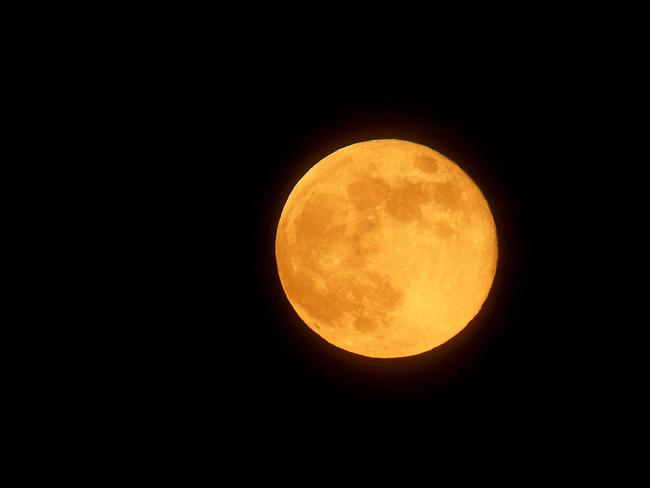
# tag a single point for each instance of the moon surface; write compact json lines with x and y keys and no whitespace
{"x":386,"y":248}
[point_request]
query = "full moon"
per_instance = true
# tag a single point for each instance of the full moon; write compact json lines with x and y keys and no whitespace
{"x":386,"y":248}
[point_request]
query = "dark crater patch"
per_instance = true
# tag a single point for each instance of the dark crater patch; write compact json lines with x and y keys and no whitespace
{"x":426,"y":164}
{"x":444,"y":230}
{"x":365,"y":324}
{"x":404,"y":203}
{"x":315,"y":229}
{"x":447,"y":195}
{"x":368,"y":192}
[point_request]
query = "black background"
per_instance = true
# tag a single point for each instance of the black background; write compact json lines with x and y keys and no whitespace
{"x":222,"y":137}
{"x":164,"y":146}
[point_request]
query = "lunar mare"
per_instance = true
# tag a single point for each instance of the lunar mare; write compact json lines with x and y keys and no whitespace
{"x":386,"y":248}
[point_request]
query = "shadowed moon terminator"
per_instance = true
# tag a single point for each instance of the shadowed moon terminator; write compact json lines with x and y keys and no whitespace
{"x":386,"y":248}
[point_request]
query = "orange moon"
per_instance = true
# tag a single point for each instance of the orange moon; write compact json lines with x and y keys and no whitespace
{"x":386,"y":248}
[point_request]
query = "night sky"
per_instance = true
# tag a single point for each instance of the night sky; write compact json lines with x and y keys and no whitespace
{"x":236,"y":134}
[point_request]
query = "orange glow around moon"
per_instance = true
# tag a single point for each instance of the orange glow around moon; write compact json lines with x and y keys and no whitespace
{"x":386,"y":248}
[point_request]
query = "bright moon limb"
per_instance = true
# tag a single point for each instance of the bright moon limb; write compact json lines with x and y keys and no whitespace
{"x":386,"y":248}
